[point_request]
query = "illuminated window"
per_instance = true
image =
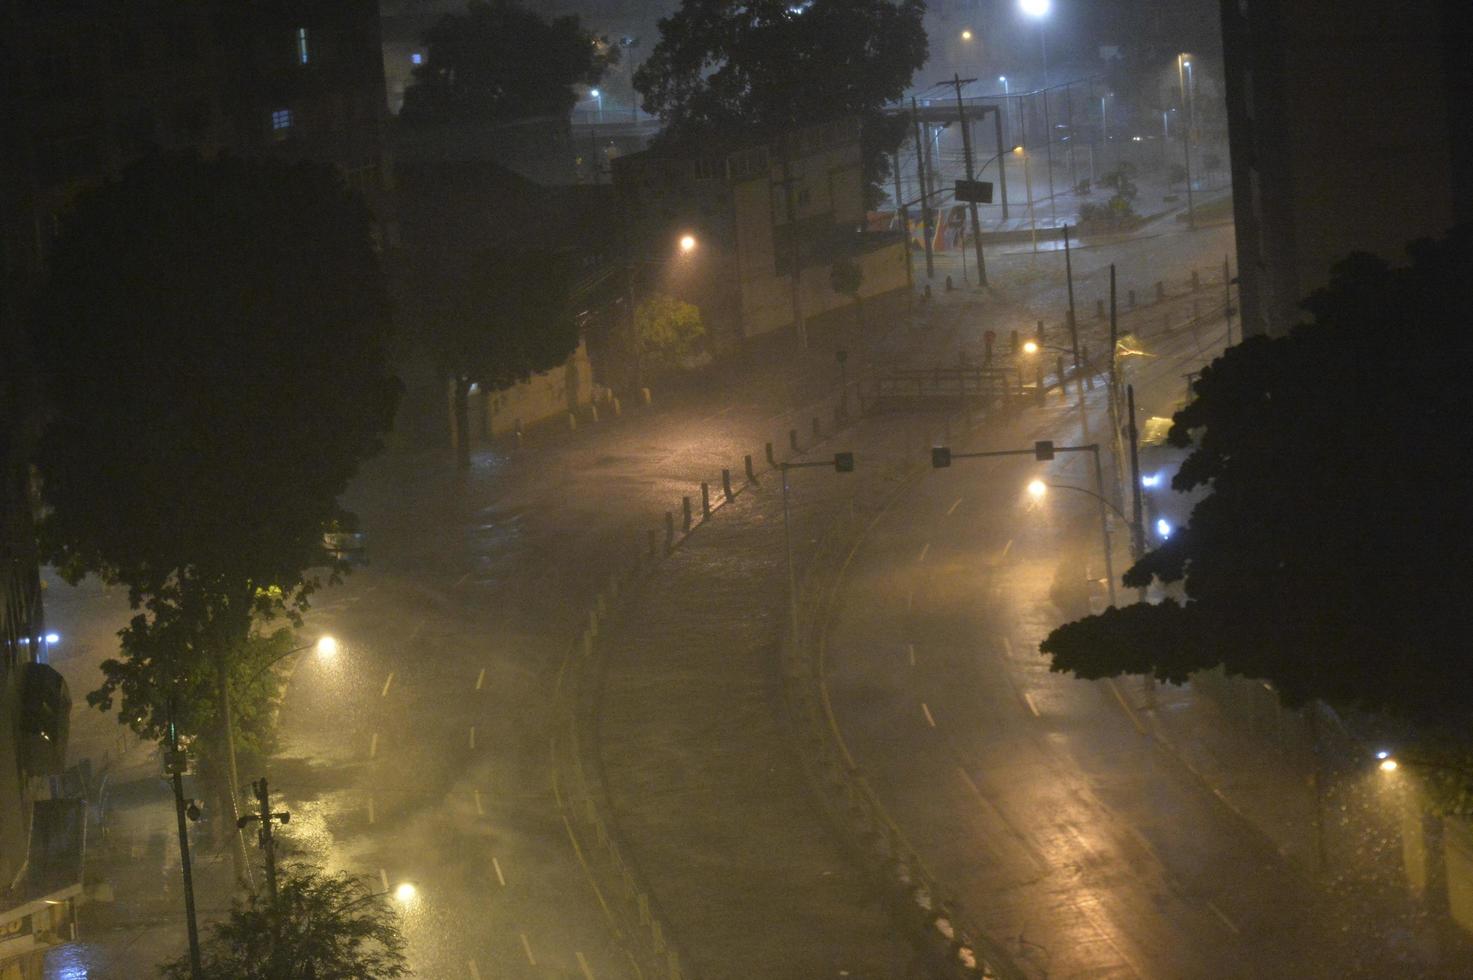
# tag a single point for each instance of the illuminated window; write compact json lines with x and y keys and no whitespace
{"x":303,"y":53}
{"x":281,"y":120}
{"x":416,"y":58}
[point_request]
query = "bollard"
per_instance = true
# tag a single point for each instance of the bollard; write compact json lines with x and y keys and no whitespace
{"x":669,"y":532}
{"x":726,"y":484}
{"x":770,"y":460}
{"x":572,"y":422}
{"x":1160,"y":290}
{"x":1196,"y":281}
{"x":618,"y":409}
{"x":1130,"y":299}
{"x":685,"y":512}
{"x":747,"y":462}
{"x":1099,"y":309}
{"x":1059,"y":366}
{"x":706,"y":500}
{"x":949,"y":286}
{"x":644,"y":395}
{"x":793,"y":439}
{"x":817,"y":430}
{"x":593,"y":410}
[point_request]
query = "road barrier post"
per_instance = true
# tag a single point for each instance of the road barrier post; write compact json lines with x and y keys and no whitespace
{"x":747,"y":462}
{"x":726,"y":485}
{"x":685,"y":512}
{"x":705,"y":501}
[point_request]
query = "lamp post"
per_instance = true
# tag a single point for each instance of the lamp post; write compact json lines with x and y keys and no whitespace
{"x":598,"y":97}
{"x":842,"y":463}
{"x":1043,"y":451}
{"x":1184,"y":75}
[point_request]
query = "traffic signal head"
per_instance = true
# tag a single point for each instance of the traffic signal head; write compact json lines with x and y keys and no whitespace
{"x":844,"y":462}
{"x":940,"y":457}
{"x":1043,"y":449}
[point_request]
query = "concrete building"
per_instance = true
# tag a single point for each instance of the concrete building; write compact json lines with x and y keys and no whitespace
{"x":750,"y":210}
{"x":1348,"y":132}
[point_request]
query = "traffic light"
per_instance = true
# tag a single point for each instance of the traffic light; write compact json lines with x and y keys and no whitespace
{"x":1043,"y":450}
{"x":844,"y":462}
{"x":940,"y":457}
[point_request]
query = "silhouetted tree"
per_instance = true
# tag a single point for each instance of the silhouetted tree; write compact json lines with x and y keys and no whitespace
{"x":1331,"y":556}
{"x":495,"y":320}
{"x":499,"y":60}
{"x":211,"y":344}
{"x":728,"y":70}
{"x":319,"y":927}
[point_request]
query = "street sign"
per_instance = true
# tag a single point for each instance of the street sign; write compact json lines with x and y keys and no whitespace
{"x":940,"y":457}
{"x":1043,"y":449}
{"x":844,"y":462}
{"x":974,"y":191}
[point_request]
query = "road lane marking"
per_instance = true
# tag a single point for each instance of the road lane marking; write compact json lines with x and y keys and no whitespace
{"x":952,"y":509}
{"x":910,"y":650}
{"x":479,"y":812}
{"x":1007,"y":547}
{"x":499,"y":876}
{"x":383,"y":876}
{"x":583,"y":965}
{"x":1028,"y":700}
{"x":473,"y":736}
{"x":1134,"y":720}
{"x":387,"y":684}
{"x":1225,"y":920}
{"x":370,"y":811}
{"x":1007,"y":646}
{"x":373,"y":745}
{"x":528,"y":947}
{"x":461,"y":581}
{"x":929,"y":720}
{"x":924,"y":549}
{"x":471,"y":966}
{"x":480,"y":678}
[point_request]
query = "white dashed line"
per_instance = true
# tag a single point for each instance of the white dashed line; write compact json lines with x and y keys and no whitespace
{"x":383,"y":876}
{"x":499,"y":876}
{"x":583,"y":965}
{"x":924,"y":549}
{"x":373,"y":745}
{"x":473,"y":736}
{"x":528,"y":947}
{"x":1028,"y":700}
{"x":480,"y":678}
{"x":471,"y":966}
{"x":950,"y":510}
{"x":910,"y":651}
{"x":1223,"y":917}
{"x":1007,"y":547}
{"x":479,"y":812}
{"x":388,"y":682}
{"x":929,"y":720}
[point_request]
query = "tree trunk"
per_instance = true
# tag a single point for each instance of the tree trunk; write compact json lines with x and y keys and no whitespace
{"x":460,"y":429}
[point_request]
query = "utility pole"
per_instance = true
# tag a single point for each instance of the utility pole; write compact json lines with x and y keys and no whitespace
{"x":1115,"y":393}
{"x":1073,"y":323}
{"x":1227,"y":298}
{"x":266,"y":838}
{"x":1137,"y":510}
{"x":175,"y":763}
{"x":1048,"y":150}
{"x":961,"y":115}
{"x":1002,"y":159}
{"x":926,"y":224}
{"x":799,"y":327}
{"x":1069,"y":122}
{"x":904,"y":214}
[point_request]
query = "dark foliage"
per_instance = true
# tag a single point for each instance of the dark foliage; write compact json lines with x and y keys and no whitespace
{"x":732,"y":71}
{"x":1331,"y":556}
{"x":499,"y":61}
{"x":319,"y":927}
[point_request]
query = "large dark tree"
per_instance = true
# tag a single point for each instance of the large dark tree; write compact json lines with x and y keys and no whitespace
{"x":495,"y":319}
{"x":1331,"y":556}
{"x":498,"y":61}
{"x":729,"y":70}
{"x":211,"y":344}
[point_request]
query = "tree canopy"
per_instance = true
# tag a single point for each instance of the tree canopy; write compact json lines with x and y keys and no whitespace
{"x":319,"y":927}
{"x":727,"y":70}
{"x":500,"y":61}
{"x":668,"y":329}
{"x":1331,"y":555}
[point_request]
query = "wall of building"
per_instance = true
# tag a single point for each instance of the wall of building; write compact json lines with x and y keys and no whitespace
{"x":542,"y":397}
{"x":1339,"y":124}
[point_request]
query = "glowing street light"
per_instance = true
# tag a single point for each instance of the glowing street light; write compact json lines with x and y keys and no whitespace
{"x":1005,"y":89}
{"x":1037,"y":489}
{"x":406,"y":892}
{"x":967,"y":34}
{"x":687,"y":244}
{"x":1035,"y":8}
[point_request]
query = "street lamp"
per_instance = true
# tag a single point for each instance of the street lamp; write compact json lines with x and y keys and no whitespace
{"x":1005,"y":89}
{"x":599,"y":97}
{"x":1184,"y":77}
{"x":966,"y":34}
{"x":688,"y":244}
{"x":1039,"y":489}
